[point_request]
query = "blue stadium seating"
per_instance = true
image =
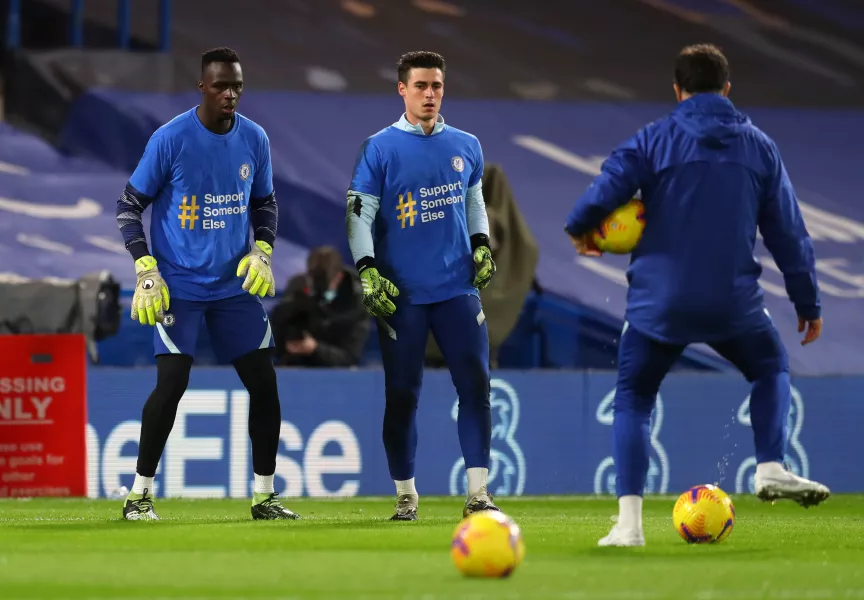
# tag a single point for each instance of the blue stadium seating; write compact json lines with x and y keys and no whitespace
{"x":549,"y":152}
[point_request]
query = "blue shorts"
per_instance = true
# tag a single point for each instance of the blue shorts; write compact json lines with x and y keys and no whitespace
{"x":237,"y":326}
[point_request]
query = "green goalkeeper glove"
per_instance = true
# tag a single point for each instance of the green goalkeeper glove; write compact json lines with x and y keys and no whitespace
{"x":375,"y":292}
{"x":151,"y":298}
{"x":259,"y":274}
{"x":484,"y":266}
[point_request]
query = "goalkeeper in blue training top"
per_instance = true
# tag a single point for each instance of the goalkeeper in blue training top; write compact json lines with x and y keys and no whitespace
{"x":709,"y":180}
{"x":419,"y":235}
{"x":207,"y":175}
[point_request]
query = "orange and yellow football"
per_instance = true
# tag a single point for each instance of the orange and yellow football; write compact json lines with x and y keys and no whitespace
{"x":704,"y":514}
{"x":487,"y":544}
{"x":621,"y":231}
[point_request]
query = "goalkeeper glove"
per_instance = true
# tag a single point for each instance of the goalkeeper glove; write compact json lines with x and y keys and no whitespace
{"x":256,"y":267}
{"x":151,"y":298}
{"x":484,"y":266}
{"x":375,"y":292}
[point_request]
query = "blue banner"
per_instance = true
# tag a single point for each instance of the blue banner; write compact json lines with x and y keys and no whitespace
{"x":552,"y":434}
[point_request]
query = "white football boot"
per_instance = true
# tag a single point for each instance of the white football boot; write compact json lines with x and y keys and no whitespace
{"x":627,"y":531}
{"x":406,"y":507}
{"x":479,"y":502}
{"x":776,"y":483}
{"x":624,"y":538}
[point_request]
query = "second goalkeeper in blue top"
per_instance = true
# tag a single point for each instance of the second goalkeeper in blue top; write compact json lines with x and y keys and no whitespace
{"x":419,"y":235}
{"x":207,"y":177}
{"x":709,"y":180}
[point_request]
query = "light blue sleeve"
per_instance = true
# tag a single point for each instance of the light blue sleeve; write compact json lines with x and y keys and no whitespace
{"x":475,"y":210}
{"x":477,"y":173}
{"x":359,"y":217}
{"x":153,"y":168}
{"x":364,"y":200}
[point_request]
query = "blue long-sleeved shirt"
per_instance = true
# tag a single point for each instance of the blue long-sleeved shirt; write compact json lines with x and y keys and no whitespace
{"x":414,"y":203}
{"x":205,"y":190}
{"x":709,"y":180}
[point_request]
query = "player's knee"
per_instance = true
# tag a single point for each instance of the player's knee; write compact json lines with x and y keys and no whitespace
{"x":768,"y":369}
{"x":264,"y":387}
{"x":474,"y":392}
{"x":172,"y":377}
{"x":771,"y":382}
{"x":401,"y":401}
{"x":637,"y":387}
{"x":471,"y":380}
{"x":761,"y":356}
{"x":633,"y":399}
{"x":257,"y":373}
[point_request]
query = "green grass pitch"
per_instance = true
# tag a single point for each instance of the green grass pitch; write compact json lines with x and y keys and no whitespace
{"x":348,"y":549}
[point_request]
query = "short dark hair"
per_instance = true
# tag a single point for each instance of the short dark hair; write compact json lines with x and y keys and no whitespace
{"x":326,"y":259}
{"x":420,"y":59}
{"x":701,"y":68}
{"x":218,"y":55}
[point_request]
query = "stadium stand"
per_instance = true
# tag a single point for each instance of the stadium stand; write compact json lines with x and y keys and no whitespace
{"x":549,"y":150}
{"x":786,"y":53}
{"x":315,"y":136}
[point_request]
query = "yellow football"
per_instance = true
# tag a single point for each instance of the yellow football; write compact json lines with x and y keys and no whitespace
{"x":487,"y":544}
{"x":621,"y":231}
{"x":704,"y":514}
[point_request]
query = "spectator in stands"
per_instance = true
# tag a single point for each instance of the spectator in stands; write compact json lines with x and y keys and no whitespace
{"x":320,"y":321}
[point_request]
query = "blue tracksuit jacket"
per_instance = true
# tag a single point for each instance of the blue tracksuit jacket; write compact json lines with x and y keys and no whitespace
{"x":709,"y":180}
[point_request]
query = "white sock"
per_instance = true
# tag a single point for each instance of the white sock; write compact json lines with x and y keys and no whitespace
{"x":630,"y":512}
{"x":141,"y":484}
{"x":477,"y":478}
{"x":263,"y":484}
{"x":770,"y":469}
{"x":405,"y":487}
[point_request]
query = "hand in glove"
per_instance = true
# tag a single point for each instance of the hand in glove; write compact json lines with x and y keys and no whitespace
{"x":484,"y":267}
{"x":259,"y":274}
{"x":375,"y":292}
{"x":151,"y":298}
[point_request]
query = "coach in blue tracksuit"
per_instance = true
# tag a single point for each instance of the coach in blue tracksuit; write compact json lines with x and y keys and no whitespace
{"x":709,"y":180}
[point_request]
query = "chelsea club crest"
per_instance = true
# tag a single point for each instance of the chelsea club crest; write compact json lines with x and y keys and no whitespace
{"x":244,"y":171}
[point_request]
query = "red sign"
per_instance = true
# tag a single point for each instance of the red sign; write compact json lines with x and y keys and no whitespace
{"x":43,"y":415}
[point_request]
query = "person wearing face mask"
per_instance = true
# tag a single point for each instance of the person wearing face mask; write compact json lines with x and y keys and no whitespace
{"x":320,"y":321}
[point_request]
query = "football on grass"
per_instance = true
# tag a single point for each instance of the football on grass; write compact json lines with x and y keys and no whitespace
{"x":704,"y":514}
{"x":487,"y":544}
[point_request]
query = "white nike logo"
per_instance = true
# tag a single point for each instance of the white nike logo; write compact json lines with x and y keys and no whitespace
{"x":43,"y":243}
{"x":106,"y":243}
{"x":6,"y":167}
{"x":84,"y":209}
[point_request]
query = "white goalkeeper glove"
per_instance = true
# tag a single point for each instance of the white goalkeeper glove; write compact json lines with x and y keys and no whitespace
{"x":151,"y":298}
{"x":259,"y":274}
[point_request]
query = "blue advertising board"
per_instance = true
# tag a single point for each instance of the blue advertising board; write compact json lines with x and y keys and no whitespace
{"x":551,"y":434}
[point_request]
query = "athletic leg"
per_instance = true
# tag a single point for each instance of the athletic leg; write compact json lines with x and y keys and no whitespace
{"x":174,"y":346}
{"x":459,"y":327}
{"x":241,"y":334}
{"x":403,"y":338}
{"x":762,"y":359}
{"x":642,"y":365}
